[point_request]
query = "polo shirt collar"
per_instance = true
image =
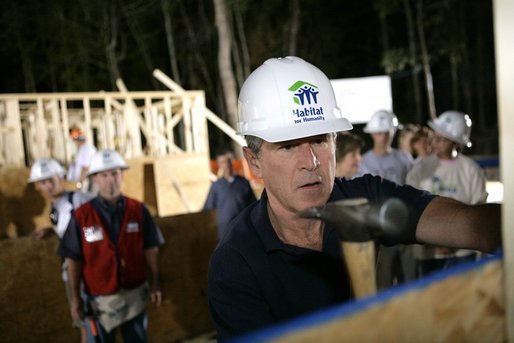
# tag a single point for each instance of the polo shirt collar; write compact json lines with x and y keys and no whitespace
{"x":105,"y":205}
{"x":265,"y":231}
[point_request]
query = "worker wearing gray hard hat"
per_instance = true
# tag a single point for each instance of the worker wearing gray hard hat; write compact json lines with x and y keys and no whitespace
{"x":48,"y":176}
{"x":112,"y":246}
{"x":275,"y":264}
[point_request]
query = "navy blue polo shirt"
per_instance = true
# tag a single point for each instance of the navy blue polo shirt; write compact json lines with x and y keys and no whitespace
{"x":229,"y":199}
{"x":256,"y":280}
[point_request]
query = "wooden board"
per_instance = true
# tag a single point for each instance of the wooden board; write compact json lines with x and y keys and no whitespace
{"x":181,"y":183}
{"x":139,"y":182}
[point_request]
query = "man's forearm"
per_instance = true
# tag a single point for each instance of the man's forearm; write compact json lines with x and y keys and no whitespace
{"x":152,"y":260}
{"x":74,"y":276}
{"x":449,"y":223}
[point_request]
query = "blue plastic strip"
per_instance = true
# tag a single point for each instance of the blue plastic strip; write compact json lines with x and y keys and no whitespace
{"x":488,"y":162}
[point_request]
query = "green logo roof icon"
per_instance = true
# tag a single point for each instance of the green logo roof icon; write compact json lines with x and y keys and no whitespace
{"x":304,"y":91}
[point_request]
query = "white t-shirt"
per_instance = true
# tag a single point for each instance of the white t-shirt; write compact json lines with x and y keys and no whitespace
{"x":460,"y":179}
{"x":82,"y":160}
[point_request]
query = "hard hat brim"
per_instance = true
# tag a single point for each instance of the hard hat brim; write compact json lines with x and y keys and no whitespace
{"x":274,"y":135}
{"x":93,"y":172}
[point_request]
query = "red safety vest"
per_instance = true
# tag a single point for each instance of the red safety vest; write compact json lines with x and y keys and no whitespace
{"x":106,"y":266}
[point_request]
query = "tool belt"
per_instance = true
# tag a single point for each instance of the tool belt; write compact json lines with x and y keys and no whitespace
{"x":115,"y":309}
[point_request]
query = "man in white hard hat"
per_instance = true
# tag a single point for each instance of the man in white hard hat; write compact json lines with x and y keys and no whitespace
{"x":396,"y":263}
{"x":448,"y":172}
{"x":384,"y":160}
{"x":274,"y":264}
{"x":112,"y":246}
{"x":48,"y":175}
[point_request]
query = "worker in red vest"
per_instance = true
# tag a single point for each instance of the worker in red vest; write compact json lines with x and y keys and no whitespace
{"x":111,"y":246}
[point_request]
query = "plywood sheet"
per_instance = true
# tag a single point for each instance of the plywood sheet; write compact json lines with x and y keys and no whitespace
{"x":182,"y":183}
{"x":139,"y":182}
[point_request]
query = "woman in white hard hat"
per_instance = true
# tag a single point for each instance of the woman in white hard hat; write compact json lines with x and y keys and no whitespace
{"x":274,"y":264}
{"x":48,"y":175}
{"x":447,"y":172}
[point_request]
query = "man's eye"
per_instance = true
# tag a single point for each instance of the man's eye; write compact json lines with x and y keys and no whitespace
{"x":287,"y":147}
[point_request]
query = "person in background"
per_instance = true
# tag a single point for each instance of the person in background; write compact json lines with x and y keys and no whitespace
{"x":48,"y":175}
{"x":448,"y":172}
{"x":229,"y":195}
{"x":112,"y":245}
{"x":383,"y":160}
{"x":405,"y":136}
{"x":348,"y":154}
{"x":395,"y":264}
{"x":275,"y":264}
{"x":78,"y":169}
{"x":421,"y":143}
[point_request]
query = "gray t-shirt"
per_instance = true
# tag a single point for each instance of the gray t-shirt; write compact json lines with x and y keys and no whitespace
{"x":394,"y":166}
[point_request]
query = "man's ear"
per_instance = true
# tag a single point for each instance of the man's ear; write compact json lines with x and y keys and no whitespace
{"x":253,"y":161}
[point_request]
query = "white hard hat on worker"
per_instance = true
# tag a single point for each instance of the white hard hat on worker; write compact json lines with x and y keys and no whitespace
{"x":45,"y":168}
{"x":454,"y":125}
{"x":288,"y":98}
{"x":382,"y":121}
{"x":105,"y":160}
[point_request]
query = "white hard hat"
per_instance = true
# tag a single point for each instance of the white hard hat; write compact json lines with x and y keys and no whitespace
{"x":382,"y":121}
{"x":288,"y":98}
{"x":106,"y":160}
{"x":45,"y":168}
{"x":454,"y":125}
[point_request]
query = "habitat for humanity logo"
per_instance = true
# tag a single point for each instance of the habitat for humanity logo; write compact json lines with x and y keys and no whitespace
{"x":306,"y":94}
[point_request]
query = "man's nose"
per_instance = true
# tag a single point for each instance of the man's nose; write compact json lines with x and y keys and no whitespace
{"x":308,"y":158}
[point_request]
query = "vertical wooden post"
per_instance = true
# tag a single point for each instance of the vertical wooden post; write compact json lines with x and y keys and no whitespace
{"x":109,"y":124}
{"x":14,"y":154}
{"x":41,"y":137}
{"x":186,"y":110}
{"x":168,"y":113}
{"x":58,"y":139}
{"x":66,"y":130}
{"x":201,"y":140}
{"x":87,"y":120}
{"x":150,"y":124}
{"x":504,"y":52}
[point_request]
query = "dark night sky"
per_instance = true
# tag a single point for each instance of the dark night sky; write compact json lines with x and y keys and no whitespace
{"x":60,"y":45}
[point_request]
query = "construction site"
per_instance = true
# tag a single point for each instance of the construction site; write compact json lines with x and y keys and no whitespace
{"x":172,"y":180}
{"x":163,"y":136}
